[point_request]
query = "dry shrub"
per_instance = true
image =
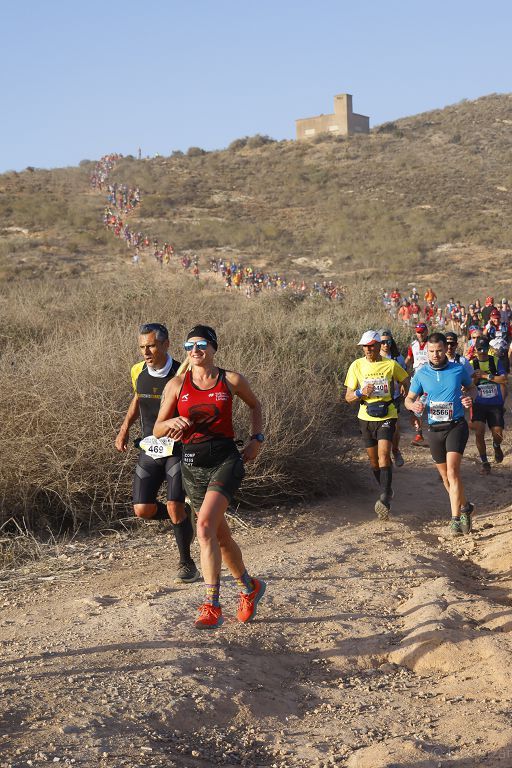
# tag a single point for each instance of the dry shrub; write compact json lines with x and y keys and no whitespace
{"x":64,"y":388}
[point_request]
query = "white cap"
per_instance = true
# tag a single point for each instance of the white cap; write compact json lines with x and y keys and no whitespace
{"x":368,"y":337}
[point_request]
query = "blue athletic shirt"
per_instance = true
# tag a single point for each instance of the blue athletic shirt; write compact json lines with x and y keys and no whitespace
{"x":443,"y":389}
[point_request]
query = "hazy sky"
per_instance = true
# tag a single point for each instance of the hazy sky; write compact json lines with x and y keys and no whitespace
{"x":79,"y":79}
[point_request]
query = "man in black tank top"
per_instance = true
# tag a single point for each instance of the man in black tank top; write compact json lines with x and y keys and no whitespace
{"x":155,"y":463}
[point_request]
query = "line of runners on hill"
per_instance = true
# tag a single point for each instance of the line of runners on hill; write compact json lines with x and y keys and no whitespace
{"x":122,"y":200}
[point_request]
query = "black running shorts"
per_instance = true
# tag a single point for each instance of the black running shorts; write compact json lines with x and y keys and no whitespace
{"x":373,"y":431}
{"x":448,"y":440}
{"x":492,"y":415}
{"x":225,"y":477}
{"x":151,"y":473}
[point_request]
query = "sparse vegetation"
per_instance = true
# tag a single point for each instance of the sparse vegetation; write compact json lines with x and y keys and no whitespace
{"x":64,"y":387}
{"x":388,"y":199}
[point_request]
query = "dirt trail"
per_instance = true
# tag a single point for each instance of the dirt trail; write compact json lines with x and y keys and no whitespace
{"x":377,"y":644}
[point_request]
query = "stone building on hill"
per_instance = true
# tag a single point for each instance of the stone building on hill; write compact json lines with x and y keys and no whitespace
{"x":341,"y":123}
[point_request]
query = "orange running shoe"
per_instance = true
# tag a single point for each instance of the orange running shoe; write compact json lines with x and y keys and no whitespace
{"x":210,"y":616}
{"x":248,"y":603}
{"x":418,"y":439}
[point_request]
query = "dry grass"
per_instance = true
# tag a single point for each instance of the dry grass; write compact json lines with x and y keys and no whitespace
{"x":65,"y":387}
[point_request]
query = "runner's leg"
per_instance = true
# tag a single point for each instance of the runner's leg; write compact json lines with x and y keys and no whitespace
{"x":373,"y":456}
{"x":441,"y":468}
{"x":209,"y":521}
{"x":479,"y":428}
{"x":456,"y":488}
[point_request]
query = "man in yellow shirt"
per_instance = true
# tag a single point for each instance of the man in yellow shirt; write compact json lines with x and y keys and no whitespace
{"x":370,"y":382}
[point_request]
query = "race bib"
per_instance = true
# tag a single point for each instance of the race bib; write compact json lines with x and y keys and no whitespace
{"x":440,"y":412}
{"x":420,"y":359}
{"x":488,"y":390}
{"x":380,"y":387}
{"x":157,"y":447}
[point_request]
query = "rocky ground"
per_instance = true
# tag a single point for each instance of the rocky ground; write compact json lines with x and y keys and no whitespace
{"x":377,"y":645}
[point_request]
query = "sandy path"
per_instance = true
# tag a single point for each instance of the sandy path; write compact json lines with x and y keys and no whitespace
{"x":376,"y":645}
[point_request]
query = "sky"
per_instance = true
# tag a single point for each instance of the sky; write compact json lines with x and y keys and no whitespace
{"x":81,"y":79}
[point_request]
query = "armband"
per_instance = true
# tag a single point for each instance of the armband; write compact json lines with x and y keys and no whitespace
{"x":358,"y":393}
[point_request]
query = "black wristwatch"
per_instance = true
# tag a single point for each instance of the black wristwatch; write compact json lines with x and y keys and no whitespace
{"x":490,"y":376}
{"x":259,"y":437}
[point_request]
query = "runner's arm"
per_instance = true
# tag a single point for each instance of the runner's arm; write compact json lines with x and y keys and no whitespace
{"x":239,"y":386}
{"x":469,"y":395}
{"x":351,"y":396}
{"x":167,"y":425}
{"x":501,"y":378}
{"x":412,"y":402}
{"x":132,"y":414}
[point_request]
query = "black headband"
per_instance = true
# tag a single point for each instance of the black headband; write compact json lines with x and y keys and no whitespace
{"x":204,"y":332}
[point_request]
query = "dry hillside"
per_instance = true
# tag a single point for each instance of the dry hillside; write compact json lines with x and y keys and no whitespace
{"x":424,"y":197}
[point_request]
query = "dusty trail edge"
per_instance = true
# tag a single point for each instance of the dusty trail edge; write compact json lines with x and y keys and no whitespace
{"x":377,"y":644}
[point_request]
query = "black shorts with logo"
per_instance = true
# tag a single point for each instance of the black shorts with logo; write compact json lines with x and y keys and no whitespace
{"x":373,"y":431}
{"x":492,"y":415}
{"x":450,"y":440}
{"x":151,"y":473}
{"x":220,"y":468}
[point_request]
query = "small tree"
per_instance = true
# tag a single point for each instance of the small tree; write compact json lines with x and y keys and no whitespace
{"x":195,"y":152}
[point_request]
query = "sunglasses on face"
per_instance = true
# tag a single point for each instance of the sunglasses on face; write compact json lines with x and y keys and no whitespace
{"x":188,"y":346}
{"x":386,"y":342}
{"x":451,"y":343}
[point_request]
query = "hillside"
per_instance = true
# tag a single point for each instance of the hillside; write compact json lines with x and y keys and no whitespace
{"x":426,"y":196}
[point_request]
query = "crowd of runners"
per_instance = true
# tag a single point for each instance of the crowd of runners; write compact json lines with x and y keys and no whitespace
{"x":236,"y":276}
{"x":457,"y":389}
{"x":452,"y":379}
{"x":187,"y":436}
{"x":453,"y":315}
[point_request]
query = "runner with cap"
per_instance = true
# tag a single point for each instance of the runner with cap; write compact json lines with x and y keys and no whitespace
{"x":213,"y":468}
{"x":452,"y":342}
{"x":370,"y":382}
{"x":438,"y":388}
{"x":499,"y":335}
{"x":505,"y":311}
{"x":475,"y":332}
{"x":389,"y":350}
{"x":488,"y":409}
{"x":417,"y":355}
{"x":158,"y":462}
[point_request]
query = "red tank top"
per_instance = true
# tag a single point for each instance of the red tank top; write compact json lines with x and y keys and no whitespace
{"x":210,"y":410}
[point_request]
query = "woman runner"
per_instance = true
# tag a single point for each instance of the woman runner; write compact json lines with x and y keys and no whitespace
{"x":212,"y":468}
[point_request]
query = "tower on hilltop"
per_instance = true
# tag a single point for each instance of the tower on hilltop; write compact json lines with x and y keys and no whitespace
{"x":342,"y":123}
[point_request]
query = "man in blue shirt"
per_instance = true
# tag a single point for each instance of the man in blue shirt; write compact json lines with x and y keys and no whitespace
{"x":438,"y":387}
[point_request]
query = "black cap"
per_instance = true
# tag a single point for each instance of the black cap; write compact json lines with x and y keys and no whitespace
{"x":451,"y":336}
{"x":481,"y":344}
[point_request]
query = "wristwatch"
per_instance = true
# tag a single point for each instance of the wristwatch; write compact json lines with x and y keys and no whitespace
{"x":259,"y":437}
{"x":490,"y":376}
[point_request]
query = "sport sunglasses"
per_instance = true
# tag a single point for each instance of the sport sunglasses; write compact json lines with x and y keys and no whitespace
{"x":188,"y":346}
